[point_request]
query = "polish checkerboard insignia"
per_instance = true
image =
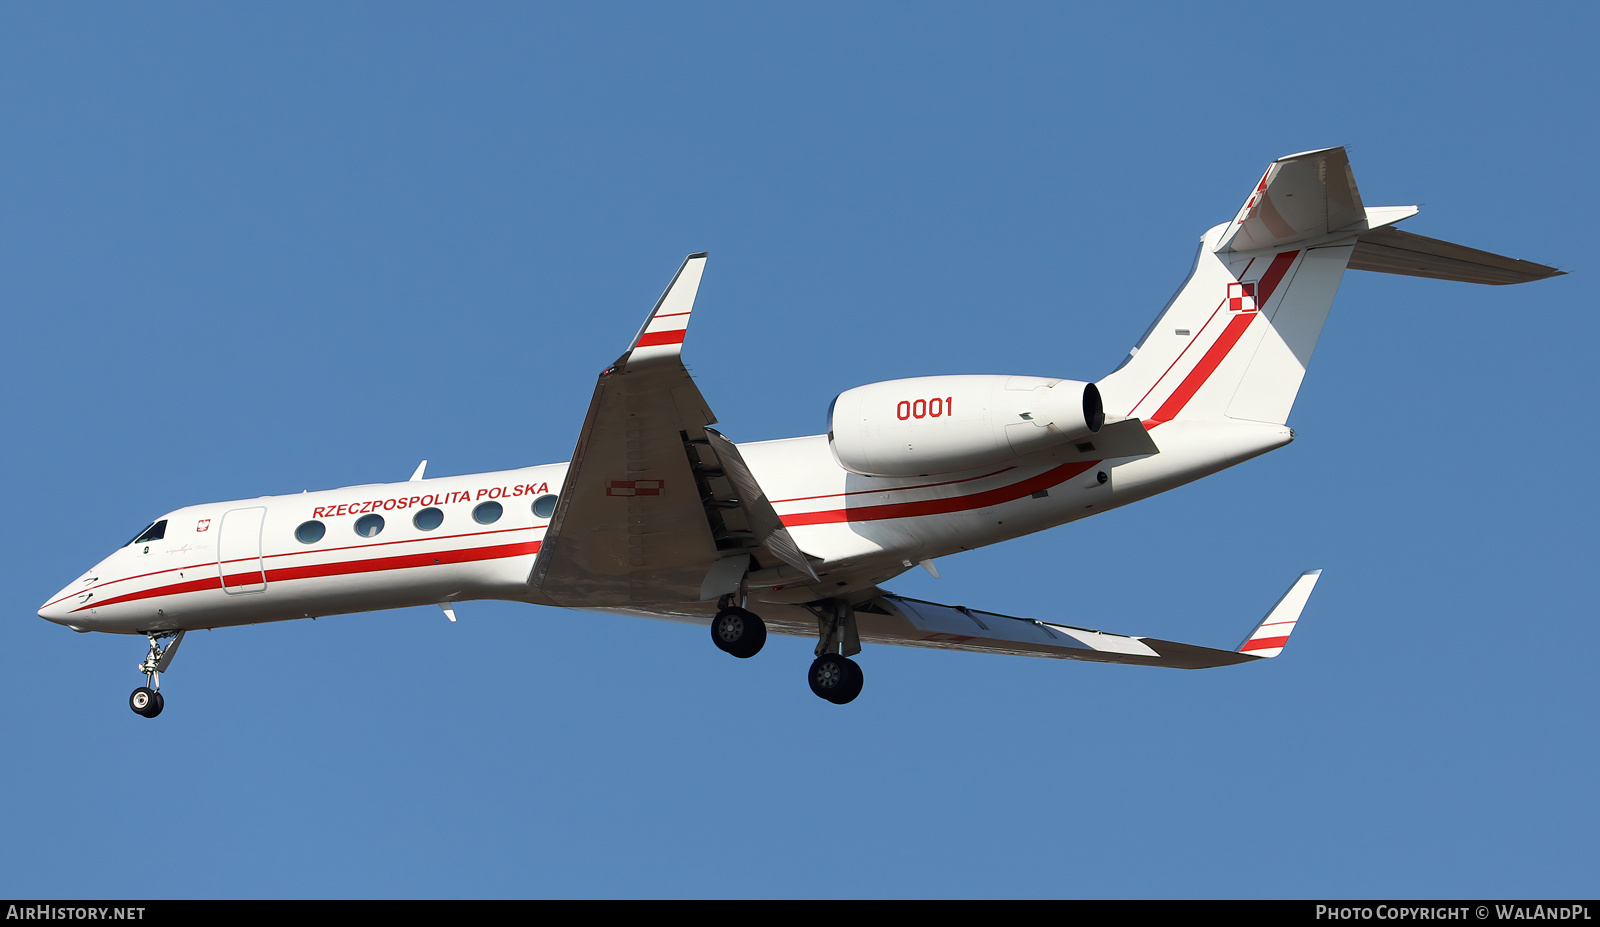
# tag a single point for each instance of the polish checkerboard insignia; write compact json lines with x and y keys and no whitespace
{"x":1241,"y":297}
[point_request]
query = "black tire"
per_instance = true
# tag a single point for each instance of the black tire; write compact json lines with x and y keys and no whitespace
{"x":156,"y":706}
{"x":830,"y":678}
{"x":142,"y":701}
{"x":853,"y":684}
{"x":738,"y":632}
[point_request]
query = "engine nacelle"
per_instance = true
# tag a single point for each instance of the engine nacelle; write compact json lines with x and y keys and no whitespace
{"x":929,"y":425}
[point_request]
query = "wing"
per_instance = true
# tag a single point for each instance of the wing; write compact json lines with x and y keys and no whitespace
{"x":893,"y":619}
{"x":650,"y":512}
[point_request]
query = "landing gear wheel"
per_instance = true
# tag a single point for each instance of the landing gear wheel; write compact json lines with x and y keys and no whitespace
{"x":146,"y":702}
{"x":852,"y":685}
{"x":836,"y":678}
{"x":738,"y":632}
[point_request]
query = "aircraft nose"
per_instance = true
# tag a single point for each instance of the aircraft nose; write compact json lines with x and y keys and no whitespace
{"x":59,"y":609}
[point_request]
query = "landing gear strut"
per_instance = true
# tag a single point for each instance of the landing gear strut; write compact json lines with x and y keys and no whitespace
{"x":146,"y":700}
{"x":833,"y":675}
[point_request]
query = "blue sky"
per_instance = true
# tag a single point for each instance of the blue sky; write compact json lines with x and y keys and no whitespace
{"x":296,"y":246}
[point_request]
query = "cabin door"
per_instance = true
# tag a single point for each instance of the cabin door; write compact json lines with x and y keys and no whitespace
{"x":239,"y":551}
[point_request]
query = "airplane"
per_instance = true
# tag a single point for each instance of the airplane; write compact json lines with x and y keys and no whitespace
{"x":660,"y":515}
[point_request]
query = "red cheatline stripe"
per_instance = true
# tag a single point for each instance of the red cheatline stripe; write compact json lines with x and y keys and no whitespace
{"x":653,"y":338}
{"x":863,"y":492}
{"x":309,"y":571}
{"x":975,"y":500}
{"x":193,"y":585}
{"x":1264,"y":643}
{"x":1230,"y":336}
{"x":290,"y":553}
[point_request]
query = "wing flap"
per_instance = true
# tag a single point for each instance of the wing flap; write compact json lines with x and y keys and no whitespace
{"x":765,"y":526}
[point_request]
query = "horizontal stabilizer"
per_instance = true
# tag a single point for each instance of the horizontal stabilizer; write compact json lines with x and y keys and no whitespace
{"x":1300,"y":197}
{"x":1391,"y":251}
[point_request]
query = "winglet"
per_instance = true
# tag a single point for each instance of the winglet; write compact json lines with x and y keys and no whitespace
{"x":663,"y":332}
{"x":1272,"y":633}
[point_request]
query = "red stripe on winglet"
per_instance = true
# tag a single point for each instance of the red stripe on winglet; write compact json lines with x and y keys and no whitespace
{"x":1264,"y":643}
{"x":654,"y":338}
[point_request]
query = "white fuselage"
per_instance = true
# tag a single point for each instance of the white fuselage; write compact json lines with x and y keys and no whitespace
{"x":240,"y":562}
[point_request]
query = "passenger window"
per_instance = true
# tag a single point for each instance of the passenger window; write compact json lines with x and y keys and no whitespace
{"x":544,"y":506}
{"x":428,"y":519}
{"x":368,"y":526}
{"x":310,"y":532}
{"x":155,"y":532}
{"x":488,"y":513}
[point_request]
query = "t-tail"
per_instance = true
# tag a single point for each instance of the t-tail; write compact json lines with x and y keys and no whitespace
{"x":1234,"y":343}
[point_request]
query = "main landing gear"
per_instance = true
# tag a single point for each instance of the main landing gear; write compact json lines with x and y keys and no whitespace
{"x":739,"y":632}
{"x":835,"y":678}
{"x":146,"y":700}
{"x":833,"y":675}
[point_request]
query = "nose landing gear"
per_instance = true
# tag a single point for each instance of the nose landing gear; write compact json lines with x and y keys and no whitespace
{"x":146,"y":700}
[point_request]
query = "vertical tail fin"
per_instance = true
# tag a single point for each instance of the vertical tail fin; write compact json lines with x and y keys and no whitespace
{"x":1235,"y":341}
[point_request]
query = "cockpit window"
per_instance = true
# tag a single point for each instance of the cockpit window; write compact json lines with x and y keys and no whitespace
{"x":155,"y":532}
